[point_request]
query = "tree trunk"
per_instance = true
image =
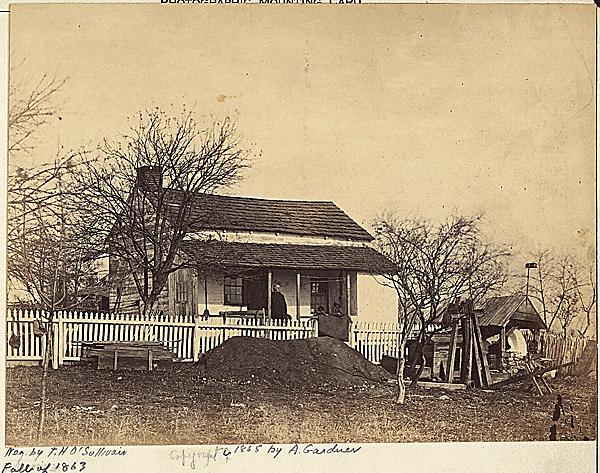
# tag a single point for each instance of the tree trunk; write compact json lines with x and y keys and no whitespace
{"x":45,"y":365}
{"x":400,"y":376}
{"x":419,"y":372}
{"x":419,"y":359}
{"x":149,"y":304}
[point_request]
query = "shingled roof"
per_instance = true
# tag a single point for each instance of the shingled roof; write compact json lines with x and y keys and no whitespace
{"x":499,"y":311}
{"x":246,"y":214}
{"x":328,"y":257}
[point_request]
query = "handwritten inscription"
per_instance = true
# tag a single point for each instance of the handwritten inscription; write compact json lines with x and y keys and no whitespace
{"x":81,"y":459}
{"x":55,"y":459}
{"x":196,"y":458}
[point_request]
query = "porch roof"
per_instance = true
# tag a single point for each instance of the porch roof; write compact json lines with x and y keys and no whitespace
{"x":325,"y":257}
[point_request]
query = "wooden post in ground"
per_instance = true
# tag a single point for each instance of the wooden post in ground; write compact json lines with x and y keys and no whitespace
{"x":435,"y":363}
{"x":452,"y":352}
{"x":486,"y":377}
{"x":467,"y":361}
{"x":149,"y":359}
{"x":115,"y":359}
{"x":479,"y":376}
{"x":502,"y":345}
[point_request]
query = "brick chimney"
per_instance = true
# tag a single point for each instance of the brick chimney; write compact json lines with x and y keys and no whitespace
{"x":149,"y":177}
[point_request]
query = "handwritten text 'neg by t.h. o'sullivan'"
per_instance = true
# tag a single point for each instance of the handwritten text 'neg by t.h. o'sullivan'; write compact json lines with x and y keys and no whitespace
{"x":201,"y":457}
{"x":55,"y":459}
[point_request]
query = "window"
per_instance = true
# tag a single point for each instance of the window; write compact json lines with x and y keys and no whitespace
{"x":234,"y":291}
{"x":181,"y":292}
{"x":318,"y":295}
{"x":181,"y":298}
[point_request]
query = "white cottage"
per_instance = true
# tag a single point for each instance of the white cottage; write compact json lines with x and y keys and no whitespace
{"x":313,"y":250}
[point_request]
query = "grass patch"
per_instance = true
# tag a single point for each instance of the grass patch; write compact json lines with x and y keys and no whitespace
{"x":91,"y":407}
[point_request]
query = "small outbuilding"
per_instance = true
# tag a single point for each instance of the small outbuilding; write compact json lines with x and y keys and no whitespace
{"x":503,"y":316}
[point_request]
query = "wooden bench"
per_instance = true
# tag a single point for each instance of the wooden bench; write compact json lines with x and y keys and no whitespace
{"x":128,"y":355}
{"x":243,"y":314}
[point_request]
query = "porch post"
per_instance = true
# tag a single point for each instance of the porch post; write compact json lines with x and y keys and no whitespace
{"x":347,"y":293}
{"x":297,"y":295}
{"x":502,"y":345}
{"x":269,"y":289}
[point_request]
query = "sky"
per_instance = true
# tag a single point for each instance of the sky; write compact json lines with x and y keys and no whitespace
{"x":422,"y":110}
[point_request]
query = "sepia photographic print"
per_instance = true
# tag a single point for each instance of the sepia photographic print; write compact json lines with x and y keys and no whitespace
{"x":319,"y":236}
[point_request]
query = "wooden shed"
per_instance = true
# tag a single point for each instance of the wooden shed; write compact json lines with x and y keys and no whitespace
{"x":502,"y":314}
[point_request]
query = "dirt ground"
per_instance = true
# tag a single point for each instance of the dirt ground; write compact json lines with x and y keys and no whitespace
{"x":253,"y":391}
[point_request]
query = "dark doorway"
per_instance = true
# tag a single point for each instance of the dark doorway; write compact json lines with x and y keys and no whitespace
{"x":255,"y":290}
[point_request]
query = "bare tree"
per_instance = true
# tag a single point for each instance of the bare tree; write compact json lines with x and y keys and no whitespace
{"x":32,"y":195}
{"x":144,"y":194}
{"x":29,"y":109}
{"x":45,"y":241}
{"x":587,"y":295}
{"x":436,"y":264}
{"x":46,"y":247}
{"x":564,"y":289}
{"x":45,"y":253}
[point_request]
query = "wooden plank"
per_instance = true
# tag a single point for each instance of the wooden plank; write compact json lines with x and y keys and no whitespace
{"x":523,"y":377}
{"x":479,"y":376}
{"x":451,"y":386}
{"x":452,"y":353}
{"x":117,"y":344}
{"x":535,"y":383}
{"x":546,"y":384}
{"x":486,"y":375}
{"x":467,"y":361}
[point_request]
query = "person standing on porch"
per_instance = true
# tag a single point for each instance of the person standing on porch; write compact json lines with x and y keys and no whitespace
{"x":278,"y":304}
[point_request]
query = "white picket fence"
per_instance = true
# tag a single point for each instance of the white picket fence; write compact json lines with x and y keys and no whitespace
{"x":72,"y":329}
{"x":375,"y":339}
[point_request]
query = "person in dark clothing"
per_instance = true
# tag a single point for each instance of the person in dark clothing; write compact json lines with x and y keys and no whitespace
{"x":278,"y":304}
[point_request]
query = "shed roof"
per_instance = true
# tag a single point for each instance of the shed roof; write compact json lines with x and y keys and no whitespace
{"x":518,"y":309}
{"x":273,"y":255}
{"x":247,"y":214}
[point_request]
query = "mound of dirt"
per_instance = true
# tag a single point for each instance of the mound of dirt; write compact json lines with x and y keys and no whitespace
{"x":312,"y":363}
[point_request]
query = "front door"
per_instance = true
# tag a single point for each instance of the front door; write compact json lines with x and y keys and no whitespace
{"x":255,"y":290}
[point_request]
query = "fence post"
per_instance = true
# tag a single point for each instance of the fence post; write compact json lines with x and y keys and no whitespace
{"x":196,"y":339}
{"x":62,"y":345}
{"x":55,"y":342}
